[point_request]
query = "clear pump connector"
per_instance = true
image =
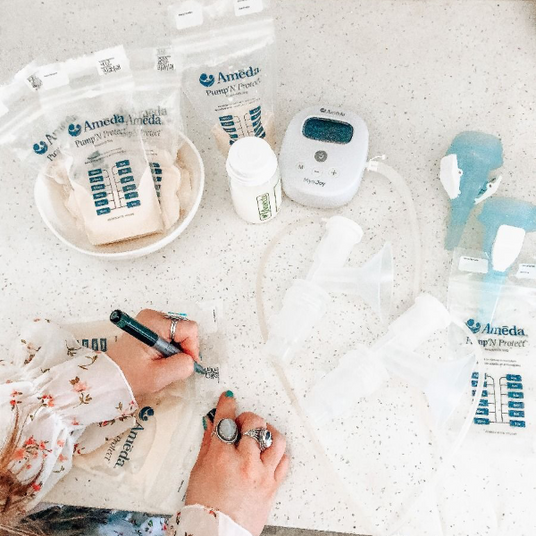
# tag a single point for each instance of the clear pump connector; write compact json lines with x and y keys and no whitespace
{"x":363,"y":371}
{"x":359,"y":374}
{"x":335,"y":248}
{"x":306,"y":301}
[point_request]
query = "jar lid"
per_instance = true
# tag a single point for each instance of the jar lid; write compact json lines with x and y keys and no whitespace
{"x":251,"y":161}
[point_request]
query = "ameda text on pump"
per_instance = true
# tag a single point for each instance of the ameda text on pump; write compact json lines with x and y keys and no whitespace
{"x":208,"y":80}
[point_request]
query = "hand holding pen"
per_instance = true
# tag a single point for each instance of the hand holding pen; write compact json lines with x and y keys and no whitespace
{"x":145,"y":367}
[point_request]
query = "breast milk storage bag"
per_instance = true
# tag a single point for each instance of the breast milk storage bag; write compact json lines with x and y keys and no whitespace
{"x":227,"y":47}
{"x":23,"y":127}
{"x":105,"y":160}
{"x":505,"y":420}
{"x":152,"y":454}
{"x":157,"y":101}
{"x":38,"y":139}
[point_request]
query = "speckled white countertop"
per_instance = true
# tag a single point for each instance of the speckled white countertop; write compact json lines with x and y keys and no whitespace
{"x":418,"y":72}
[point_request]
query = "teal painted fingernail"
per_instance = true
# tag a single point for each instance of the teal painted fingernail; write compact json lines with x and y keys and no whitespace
{"x":229,"y":394}
{"x":204,"y":424}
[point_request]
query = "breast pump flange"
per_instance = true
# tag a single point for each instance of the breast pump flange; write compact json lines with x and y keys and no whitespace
{"x":365,"y":370}
{"x":306,"y":301}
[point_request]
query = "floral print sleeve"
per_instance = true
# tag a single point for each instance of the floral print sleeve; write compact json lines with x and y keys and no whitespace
{"x":199,"y":520}
{"x":59,"y":389}
{"x":56,"y":388}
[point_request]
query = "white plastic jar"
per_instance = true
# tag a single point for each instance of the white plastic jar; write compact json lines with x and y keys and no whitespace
{"x":254,"y":180}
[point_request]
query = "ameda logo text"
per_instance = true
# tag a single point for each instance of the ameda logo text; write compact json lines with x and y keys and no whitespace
{"x":40,"y":148}
{"x":488,"y":329}
{"x":144,"y":415}
{"x":239,"y":76}
{"x":206,"y":80}
{"x":332,"y":112}
{"x":75,"y":129}
{"x":47,"y":145}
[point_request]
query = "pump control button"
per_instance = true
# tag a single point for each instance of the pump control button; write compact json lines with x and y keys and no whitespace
{"x":317,"y":172}
{"x":321,"y":156}
{"x":334,"y":172}
{"x":300,"y":166}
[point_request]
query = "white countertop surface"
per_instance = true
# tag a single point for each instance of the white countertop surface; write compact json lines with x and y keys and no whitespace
{"x":418,"y":72}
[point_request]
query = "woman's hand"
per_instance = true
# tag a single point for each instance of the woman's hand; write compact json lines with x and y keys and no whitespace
{"x":144,"y":368}
{"x":238,"y":480}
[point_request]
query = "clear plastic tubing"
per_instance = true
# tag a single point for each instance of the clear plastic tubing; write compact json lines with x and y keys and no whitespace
{"x":254,"y":180}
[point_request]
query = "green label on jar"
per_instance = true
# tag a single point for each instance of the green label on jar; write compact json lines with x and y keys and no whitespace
{"x":265,"y":209}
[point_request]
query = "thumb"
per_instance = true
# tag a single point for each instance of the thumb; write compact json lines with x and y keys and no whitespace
{"x":174,"y":368}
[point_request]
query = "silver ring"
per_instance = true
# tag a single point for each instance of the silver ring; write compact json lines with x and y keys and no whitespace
{"x":173,"y":328}
{"x":262,"y":436}
{"x":226,"y":431}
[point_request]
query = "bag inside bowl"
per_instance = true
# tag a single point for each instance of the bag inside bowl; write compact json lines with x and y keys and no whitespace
{"x":112,"y":191}
{"x":106,"y":131}
{"x":157,"y":104}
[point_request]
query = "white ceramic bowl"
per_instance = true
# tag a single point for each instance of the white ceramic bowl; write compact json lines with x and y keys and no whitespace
{"x":50,"y":204}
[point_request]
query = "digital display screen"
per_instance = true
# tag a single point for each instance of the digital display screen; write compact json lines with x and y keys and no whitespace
{"x":320,"y":129}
